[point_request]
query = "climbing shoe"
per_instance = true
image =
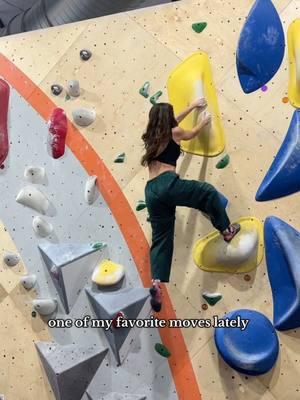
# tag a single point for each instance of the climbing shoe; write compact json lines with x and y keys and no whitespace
{"x":156,"y":300}
{"x":231,"y":231}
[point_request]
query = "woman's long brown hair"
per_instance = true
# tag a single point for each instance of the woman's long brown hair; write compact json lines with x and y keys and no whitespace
{"x":159,"y":131}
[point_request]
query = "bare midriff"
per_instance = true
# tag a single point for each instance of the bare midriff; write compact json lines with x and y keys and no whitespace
{"x":157,"y":168}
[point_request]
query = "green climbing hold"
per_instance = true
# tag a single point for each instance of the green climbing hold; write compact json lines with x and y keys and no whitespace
{"x":141,"y":205}
{"x":155,"y":97}
{"x":212,"y":298}
{"x":120,"y":158}
{"x":99,"y":245}
{"x":199,"y":26}
{"x":162,"y":350}
{"x":144,"y":90}
{"x":67,"y":97}
{"x":223,"y":162}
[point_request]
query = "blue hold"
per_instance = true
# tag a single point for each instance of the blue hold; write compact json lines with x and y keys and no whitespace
{"x":252,"y":351}
{"x":283,"y":177}
{"x":261,"y":46}
{"x":282,"y":244}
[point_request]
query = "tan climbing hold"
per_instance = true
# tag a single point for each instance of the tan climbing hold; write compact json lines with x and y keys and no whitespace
{"x":90,"y":189}
{"x":41,"y":227}
{"x":28,"y":281}
{"x":44,"y":306}
{"x":11,"y":259}
{"x":34,"y":174}
{"x":73,"y":88}
{"x":84,"y":116}
{"x":31,"y":197}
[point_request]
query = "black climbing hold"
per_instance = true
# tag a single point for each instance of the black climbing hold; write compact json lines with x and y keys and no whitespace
{"x":212,"y":298}
{"x":56,"y":89}
{"x":140,"y":205}
{"x":85,"y":54}
{"x":33,"y":314}
{"x":120,"y":158}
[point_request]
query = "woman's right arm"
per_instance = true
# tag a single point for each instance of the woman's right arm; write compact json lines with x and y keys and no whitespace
{"x":182,"y":134}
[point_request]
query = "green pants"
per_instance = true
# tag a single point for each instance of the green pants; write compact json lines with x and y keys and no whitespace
{"x":163,"y":194}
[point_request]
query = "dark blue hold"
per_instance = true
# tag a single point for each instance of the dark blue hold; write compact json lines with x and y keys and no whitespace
{"x":282,"y":244}
{"x":283,"y":177}
{"x":261,"y":46}
{"x":253,"y":351}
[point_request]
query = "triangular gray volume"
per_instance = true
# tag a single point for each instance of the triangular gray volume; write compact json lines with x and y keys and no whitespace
{"x":131,"y":301}
{"x":64,"y":253}
{"x":70,"y":369}
{"x":70,"y":267}
{"x":116,"y":396}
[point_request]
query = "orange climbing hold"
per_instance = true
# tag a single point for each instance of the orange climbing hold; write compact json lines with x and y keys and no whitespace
{"x":285,"y":99}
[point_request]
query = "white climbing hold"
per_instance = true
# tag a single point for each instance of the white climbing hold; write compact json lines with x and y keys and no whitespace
{"x":41,"y":227}
{"x":73,"y":88}
{"x":34,"y":174}
{"x":240,"y":249}
{"x":84,"y":116}
{"x":28,"y":281}
{"x":31,"y":197}
{"x":90,"y":189}
{"x":11,"y":259}
{"x":44,"y":306}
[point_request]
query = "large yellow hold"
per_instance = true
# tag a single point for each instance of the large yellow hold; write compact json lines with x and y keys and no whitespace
{"x":108,"y":273}
{"x":190,"y":80}
{"x":243,"y":254}
{"x":294,"y":63}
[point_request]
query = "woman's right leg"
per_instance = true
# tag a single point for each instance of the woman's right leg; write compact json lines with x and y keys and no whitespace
{"x":204,"y":197}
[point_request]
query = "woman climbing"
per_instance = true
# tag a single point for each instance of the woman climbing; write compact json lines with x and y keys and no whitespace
{"x":165,"y":189}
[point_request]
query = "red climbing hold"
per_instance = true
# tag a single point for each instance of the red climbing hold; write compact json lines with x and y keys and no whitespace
{"x":4,"y":99}
{"x":58,"y":126}
{"x":120,"y":315}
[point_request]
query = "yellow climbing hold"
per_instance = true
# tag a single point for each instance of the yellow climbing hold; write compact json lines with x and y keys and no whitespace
{"x":294,"y":63}
{"x":243,"y":254}
{"x":190,"y":80}
{"x":108,"y":273}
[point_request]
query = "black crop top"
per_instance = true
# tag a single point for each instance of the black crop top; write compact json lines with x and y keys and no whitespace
{"x":170,"y":154}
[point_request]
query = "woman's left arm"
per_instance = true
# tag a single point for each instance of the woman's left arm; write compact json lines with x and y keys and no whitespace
{"x":200,"y":104}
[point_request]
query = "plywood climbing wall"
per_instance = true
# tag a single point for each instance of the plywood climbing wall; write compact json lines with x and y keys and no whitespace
{"x":129,"y":49}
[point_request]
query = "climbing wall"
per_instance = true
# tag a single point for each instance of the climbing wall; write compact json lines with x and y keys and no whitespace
{"x":129,"y":49}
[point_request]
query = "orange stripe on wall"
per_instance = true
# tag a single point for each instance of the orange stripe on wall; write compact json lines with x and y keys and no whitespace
{"x":180,"y":363}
